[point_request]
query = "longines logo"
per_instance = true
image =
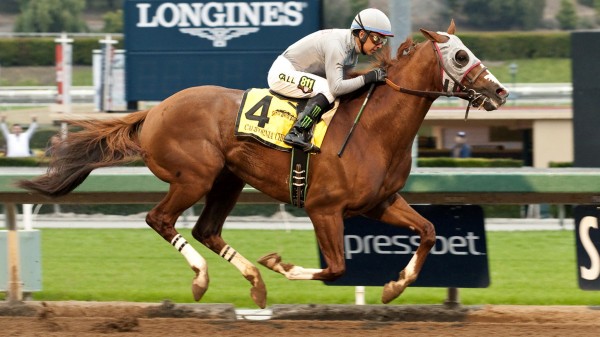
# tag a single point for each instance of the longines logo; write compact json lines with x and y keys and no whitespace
{"x":220,"y":22}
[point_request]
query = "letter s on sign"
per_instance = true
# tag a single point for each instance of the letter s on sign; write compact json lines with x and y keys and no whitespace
{"x":593,"y":271}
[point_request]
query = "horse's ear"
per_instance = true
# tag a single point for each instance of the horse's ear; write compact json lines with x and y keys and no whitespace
{"x":451,"y":28}
{"x":433,"y":36}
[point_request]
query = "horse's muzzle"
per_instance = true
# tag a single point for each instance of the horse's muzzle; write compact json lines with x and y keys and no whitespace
{"x":493,"y":101}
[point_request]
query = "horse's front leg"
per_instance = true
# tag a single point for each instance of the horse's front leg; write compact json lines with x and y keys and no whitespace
{"x":395,"y":211}
{"x":329,"y":230}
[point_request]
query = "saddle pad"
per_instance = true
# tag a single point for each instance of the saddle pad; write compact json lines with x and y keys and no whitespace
{"x":268,"y":118}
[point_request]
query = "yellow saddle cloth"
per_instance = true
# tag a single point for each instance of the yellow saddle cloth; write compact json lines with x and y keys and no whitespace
{"x":267,"y":118}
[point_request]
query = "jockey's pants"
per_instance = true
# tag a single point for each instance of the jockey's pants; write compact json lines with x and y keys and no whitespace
{"x":287,"y":81}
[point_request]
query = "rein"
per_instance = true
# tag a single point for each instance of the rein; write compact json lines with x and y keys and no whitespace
{"x":469,"y":94}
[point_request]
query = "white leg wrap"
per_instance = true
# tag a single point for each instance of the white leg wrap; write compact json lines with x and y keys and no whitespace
{"x":235,"y":258}
{"x":191,"y":255}
{"x":299,"y":273}
{"x":196,"y":262}
{"x":409,"y":270}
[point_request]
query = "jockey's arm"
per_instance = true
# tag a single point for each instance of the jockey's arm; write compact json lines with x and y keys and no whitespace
{"x":334,"y":70}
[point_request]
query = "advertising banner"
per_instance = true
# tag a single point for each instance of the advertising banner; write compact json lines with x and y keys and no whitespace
{"x":175,"y":45}
{"x":587,"y":236}
{"x":376,"y":252}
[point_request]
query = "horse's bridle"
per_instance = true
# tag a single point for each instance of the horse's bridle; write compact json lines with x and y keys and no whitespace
{"x":465,"y":92}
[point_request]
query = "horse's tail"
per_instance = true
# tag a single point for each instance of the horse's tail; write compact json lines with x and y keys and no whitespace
{"x":100,"y":143}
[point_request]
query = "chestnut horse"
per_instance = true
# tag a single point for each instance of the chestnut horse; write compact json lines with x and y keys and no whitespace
{"x":188,"y":141}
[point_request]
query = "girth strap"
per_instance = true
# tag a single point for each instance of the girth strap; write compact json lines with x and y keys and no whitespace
{"x":299,"y":177}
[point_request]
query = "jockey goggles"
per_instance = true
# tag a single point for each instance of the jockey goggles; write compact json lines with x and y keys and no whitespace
{"x":377,"y":39}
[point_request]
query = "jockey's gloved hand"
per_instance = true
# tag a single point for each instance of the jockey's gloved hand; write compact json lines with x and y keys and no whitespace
{"x":375,"y":75}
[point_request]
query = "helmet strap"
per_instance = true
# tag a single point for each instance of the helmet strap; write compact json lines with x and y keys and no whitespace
{"x":363,"y":39}
{"x":362,"y":42}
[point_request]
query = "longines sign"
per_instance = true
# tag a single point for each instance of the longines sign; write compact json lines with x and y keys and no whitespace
{"x":228,"y":43}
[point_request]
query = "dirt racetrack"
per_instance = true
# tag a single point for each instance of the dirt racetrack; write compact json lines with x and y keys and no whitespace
{"x":167,"y":319}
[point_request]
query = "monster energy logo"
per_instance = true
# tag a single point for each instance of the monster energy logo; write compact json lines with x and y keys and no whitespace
{"x":315,"y":111}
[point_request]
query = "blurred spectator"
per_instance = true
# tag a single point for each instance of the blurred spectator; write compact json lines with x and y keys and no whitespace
{"x":52,"y":145}
{"x":461,"y":149}
{"x":17,"y":141}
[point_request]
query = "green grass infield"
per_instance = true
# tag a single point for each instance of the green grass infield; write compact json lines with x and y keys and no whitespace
{"x":526,"y":268}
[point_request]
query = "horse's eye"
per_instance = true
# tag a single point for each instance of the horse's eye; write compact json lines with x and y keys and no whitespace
{"x":461,"y":58}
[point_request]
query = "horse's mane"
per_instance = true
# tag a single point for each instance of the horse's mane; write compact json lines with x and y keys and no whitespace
{"x":383,"y":59}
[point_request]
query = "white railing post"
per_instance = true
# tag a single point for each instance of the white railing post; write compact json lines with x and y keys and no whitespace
{"x":359,"y":295}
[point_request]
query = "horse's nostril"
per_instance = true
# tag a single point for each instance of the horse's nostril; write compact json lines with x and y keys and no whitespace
{"x":502,"y":92}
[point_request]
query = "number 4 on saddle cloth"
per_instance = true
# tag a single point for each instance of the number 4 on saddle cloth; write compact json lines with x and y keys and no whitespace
{"x":267,"y":117}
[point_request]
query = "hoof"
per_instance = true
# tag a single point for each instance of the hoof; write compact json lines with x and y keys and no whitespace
{"x":259,"y":296}
{"x":199,"y":287}
{"x":198,"y":292}
{"x":270,"y":260}
{"x":391,"y":291}
{"x":258,"y":292}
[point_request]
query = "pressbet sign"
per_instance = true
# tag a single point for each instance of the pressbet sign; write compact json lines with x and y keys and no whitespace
{"x":376,"y":252}
{"x":172,"y":45}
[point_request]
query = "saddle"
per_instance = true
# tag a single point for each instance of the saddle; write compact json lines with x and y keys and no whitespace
{"x":267,"y":117}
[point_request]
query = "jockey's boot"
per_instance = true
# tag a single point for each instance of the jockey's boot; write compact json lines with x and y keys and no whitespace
{"x":300,"y":134}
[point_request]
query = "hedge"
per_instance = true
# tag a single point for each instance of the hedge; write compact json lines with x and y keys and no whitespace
{"x":518,"y":45}
{"x":554,"y":164}
{"x":498,"y":46}
{"x":39,"y":51}
{"x":490,"y":46}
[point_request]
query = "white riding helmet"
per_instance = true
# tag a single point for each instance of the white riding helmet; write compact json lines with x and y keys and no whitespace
{"x":373,"y":20}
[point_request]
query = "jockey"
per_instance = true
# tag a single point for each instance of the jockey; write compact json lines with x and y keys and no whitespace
{"x":316,"y":66}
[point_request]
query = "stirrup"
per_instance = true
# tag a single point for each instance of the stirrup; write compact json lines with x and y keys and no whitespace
{"x":311,"y":148}
{"x":296,"y":141}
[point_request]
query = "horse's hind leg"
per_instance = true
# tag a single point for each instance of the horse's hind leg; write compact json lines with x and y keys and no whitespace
{"x":329,"y":229}
{"x":162,"y":219}
{"x":219,"y":202}
{"x":397,"y":212}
